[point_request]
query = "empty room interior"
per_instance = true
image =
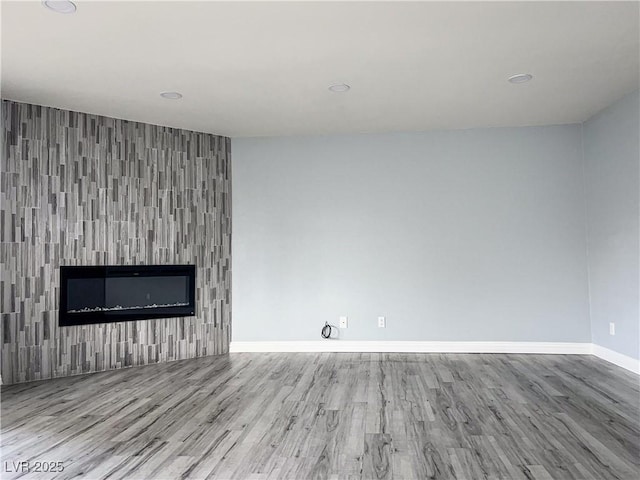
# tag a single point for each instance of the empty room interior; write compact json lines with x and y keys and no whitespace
{"x":320,"y":240}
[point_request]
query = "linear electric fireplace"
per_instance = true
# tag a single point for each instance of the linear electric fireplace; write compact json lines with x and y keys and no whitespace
{"x":121,"y":293}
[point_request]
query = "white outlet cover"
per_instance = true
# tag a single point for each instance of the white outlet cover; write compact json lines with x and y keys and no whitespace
{"x":612,"y":328}
{"x":343,"y":322}
{"x":382,"y":323}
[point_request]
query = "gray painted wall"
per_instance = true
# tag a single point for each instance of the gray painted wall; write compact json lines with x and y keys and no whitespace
{"x":460,"y":235}
{"x":612,"y":156}
{"x":79,"y":189}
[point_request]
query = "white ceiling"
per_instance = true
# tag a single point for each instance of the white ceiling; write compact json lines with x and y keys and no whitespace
{"x":263,"y":68}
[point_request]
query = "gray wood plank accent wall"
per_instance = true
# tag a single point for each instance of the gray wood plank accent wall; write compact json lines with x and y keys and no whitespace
{"x":80,"y":189}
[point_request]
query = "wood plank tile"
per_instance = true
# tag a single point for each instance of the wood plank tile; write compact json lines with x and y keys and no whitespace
{"x":345,"y":416}
{"x":115,"y":193}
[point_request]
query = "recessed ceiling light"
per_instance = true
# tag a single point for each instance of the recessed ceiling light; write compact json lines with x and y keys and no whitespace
{"x":520,"y":78}
{"x":60,"y":6}
{"x":340,"y":87}
{"x":171,"y":95}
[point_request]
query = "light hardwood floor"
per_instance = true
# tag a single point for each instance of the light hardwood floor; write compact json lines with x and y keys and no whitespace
{"x":316,"y":416}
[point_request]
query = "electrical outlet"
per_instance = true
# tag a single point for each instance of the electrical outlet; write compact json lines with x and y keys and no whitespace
{"x":612,"y":328}
{"x":343,"y":322}
{"x":382,"y":323}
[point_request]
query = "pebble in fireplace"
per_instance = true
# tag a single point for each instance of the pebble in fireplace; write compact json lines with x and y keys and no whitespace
{"x":120,"y":293}
{"x":120,"y":307}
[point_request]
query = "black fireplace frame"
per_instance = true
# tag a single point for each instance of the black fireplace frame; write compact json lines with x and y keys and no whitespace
{"x":66,"y":318}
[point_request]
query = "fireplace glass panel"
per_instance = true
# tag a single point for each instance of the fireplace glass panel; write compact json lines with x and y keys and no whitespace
{"x":110,"y":294}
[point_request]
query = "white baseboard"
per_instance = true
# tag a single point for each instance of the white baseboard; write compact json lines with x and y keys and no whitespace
{"x":412,"y":347}
{"x":628,"y":363}
{"x":561,"y":348}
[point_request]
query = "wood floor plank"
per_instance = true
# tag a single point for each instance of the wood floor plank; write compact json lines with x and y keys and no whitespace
{"x":332,"y":416}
